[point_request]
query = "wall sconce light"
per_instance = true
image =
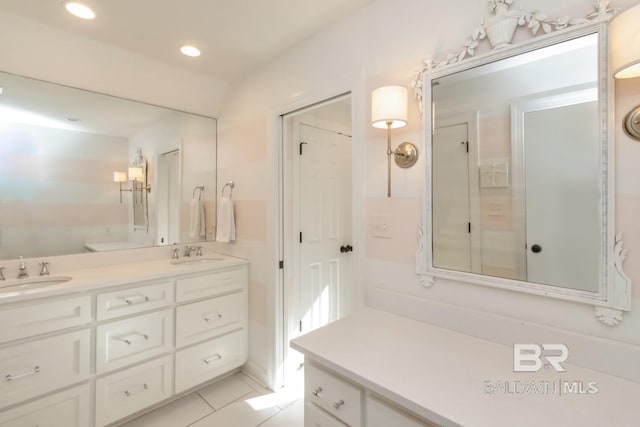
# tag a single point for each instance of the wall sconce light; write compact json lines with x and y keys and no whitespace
{"x":389,"y":110}
{"x":137,"y":172}
{"x":625,"y":58}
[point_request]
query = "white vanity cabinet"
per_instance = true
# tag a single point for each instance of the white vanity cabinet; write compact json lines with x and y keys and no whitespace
{"x":99,"y":354}
{"x":332,"y":400}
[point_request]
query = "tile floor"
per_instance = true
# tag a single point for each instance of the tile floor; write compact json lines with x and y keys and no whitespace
{"x":235,"y":401}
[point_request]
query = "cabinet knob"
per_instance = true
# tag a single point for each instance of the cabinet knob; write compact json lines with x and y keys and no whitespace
{"x":338,"y":404}
{"x":317,"y":391}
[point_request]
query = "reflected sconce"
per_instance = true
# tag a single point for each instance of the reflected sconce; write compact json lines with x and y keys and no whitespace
{"x":136,"y":173}
{"x":624,"y":32}
{"x":389,"y":111}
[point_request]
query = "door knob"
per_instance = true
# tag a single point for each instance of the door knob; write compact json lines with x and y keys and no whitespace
{"x":536,"y":248}
{"x":346,"y":248}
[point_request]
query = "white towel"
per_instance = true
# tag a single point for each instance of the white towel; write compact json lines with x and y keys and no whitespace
{"x":226,"y":229}
{"x":197,"y":229}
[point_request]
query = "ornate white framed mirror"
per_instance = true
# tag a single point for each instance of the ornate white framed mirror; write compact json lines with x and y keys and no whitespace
{"x":519,"y":175}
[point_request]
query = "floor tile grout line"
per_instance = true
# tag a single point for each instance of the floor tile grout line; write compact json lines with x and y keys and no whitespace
{"x":205,"y":401}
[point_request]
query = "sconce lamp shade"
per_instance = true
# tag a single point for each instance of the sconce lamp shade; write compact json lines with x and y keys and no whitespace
{"x":624,"y":31}
{"x":389,"y":105}
{"x":135,"y":173}
{"x":119,"y":177}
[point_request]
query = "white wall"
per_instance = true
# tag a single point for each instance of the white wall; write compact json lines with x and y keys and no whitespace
{"x":383,"y":44}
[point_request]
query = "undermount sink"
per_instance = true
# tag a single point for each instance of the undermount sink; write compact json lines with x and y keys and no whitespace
{"x":196,"y":260}
{"x":34,"y":282}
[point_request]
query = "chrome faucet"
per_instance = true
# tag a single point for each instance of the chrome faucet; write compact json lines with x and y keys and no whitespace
{"x":175,"y":255}
{"x":44,"y":271}
{"x":1,"y":273}
{"x":22,"y":269}
{"x":187,"y":250}
{"x":198,"y":250}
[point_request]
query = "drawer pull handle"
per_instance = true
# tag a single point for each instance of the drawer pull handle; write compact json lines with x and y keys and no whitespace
{"x":134,"y":337}
{"x":338,"y":404}
{"x":136,"y":299}
{"x":212,"y":358}
{"x":316,"y":391}
{"x":210,"y":316}
{"x":129,"y":393}
{"x":33,"y":371}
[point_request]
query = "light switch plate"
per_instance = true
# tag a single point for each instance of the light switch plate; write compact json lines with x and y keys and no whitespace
{"x":380,"y":226}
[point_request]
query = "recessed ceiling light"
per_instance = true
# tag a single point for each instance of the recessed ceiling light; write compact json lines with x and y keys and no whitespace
{"x":79,"y":10}
{"x":190,"y":50}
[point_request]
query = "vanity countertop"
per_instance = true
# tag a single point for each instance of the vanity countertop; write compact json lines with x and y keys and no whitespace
{"x":89,"y":279}
{"x":447,"y":377}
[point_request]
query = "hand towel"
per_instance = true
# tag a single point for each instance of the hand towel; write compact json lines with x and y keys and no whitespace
{"x":197,"y":220}
{"x":226,"y":229}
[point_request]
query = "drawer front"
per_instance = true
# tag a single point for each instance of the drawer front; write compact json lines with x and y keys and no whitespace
{"x":134,"y":300}
{"x":206,"y":361}
{"x":206,"y":319}
{"x":340,"y":398}
{"x":69,"y":408}
{"x":212,"y":284}
{"x":132,"y":340}
{"x":132,"y":390}
{"x":383,"y":414}
{"x":31,"y":369}
{"x":316,"y":417}
{"x":42,"y":317}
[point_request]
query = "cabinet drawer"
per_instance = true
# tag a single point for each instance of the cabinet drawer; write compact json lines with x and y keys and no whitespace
{"x":69,"y":408}
{"x":383,"y":414}
{"x":212,"y":284}
{"x":205,"y":319}
{"x":132,"y":390}
{"x":42,"y":317}
{"x":134,"y":300}
{"x":340,"y":398}
{"x":316,"y":417}
{"x":34,"y":368}
{"x":132,"y":340}
{"x":206,"y":361}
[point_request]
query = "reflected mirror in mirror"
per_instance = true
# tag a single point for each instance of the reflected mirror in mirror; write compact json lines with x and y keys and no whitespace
{"x":517,"y":172}
{"x":60,"y":147}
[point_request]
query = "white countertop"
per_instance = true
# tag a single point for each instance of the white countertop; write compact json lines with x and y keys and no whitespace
{"x":444,"y":376}
{"x":89,"y":279}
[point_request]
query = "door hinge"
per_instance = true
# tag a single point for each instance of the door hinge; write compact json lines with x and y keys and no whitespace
{"x":281,"y":264}
{"x":469,"y":227}
{"x":467,"y":142}
{"x":301,"y":144}
{"x":301,"y":237}
{"x":300,"y":326}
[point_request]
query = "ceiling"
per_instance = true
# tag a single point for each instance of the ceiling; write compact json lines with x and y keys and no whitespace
{"x":235,"y":36}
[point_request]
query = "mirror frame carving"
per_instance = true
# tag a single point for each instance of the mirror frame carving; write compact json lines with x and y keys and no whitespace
{"x":614,"y":294}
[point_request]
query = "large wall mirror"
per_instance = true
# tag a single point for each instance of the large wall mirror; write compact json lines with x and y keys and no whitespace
{"x":82,"y":171}
{"x":519,"y":174}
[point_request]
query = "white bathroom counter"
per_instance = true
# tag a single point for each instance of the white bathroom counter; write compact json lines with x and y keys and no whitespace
{"x":89,"y":279}
{"x":444,"y":376}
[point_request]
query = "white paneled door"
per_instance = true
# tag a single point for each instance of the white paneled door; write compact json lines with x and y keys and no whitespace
{"x":325,"y":225}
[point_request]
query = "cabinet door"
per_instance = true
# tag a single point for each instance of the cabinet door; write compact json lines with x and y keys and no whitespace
{"x":330,"y":392}
{"x":209,"y":318}
{"x":129,"y":391}
{"x":129,"y":301}
{"x":132,"y":340}
{"x":210,"y":359}
{"x":69,"y":408}
{"x":212,"y":284}
{"x":316,"y":417}
{"x":25,"y":320}
{"x":383,"y":414}
{"x":35,"y":368}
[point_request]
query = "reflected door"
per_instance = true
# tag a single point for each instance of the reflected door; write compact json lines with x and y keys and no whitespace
{"x":563,"y":196}
{"x":325,"y":221}
{"x":451,"y":212}
{"x":168,"y":198}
